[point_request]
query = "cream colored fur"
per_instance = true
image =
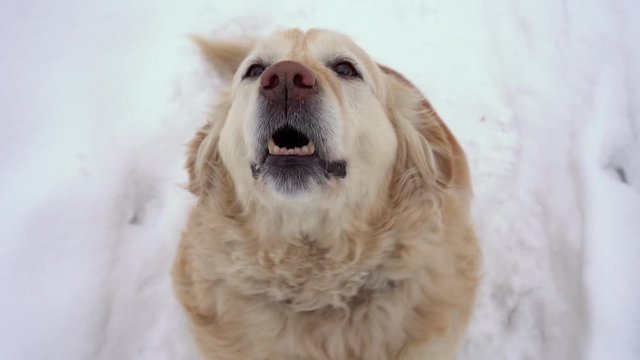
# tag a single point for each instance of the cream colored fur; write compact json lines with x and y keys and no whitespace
{"x":379,"y":265}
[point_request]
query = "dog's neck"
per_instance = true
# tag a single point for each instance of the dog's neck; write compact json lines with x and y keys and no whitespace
{"x":304,"y":251}
{"x":296,"y":222}
{"x":312,"y":255}
{"x":309,"y":259}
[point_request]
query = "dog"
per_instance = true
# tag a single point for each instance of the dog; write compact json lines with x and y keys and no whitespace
{"x":332,"y":218}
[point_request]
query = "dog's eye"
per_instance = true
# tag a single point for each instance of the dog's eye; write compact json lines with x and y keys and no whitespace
{"x":254,"y":70}
{"x":345,"y":69}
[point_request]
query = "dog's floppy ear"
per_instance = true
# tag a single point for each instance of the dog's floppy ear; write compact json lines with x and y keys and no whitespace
{"x":436,"y":153}
{"x":203,"y":161}
{"x":224,"y":56}
{"x":197,"y":175}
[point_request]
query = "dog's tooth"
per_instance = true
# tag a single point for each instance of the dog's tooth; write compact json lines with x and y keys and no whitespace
{"x":276,"y":150}
{"x":312,"y":147}
{"x":271,"y":145}
{"x":305,"y":150}
{"x":297,"y":151}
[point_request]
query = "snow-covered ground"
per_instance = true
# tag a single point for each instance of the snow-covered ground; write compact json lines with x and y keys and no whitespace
{"x":97,"y":100}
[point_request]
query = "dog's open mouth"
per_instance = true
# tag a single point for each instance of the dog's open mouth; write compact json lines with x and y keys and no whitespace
{"x":288,"y":141}
{"x":292,"y":158}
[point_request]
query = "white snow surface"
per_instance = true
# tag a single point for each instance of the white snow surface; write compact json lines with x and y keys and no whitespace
{"x":98,"y":99}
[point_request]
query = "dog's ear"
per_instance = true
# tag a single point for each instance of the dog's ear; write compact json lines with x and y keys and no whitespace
{"x":197,"y":177}
{"x":203,"y":161}
{"x":436,"y":152}
{"x":223,"y":56}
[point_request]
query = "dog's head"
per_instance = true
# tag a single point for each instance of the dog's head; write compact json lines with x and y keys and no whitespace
{"x":310,"y":117}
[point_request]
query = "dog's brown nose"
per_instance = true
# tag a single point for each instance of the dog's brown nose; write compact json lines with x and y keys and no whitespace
{"x":293,"y":76}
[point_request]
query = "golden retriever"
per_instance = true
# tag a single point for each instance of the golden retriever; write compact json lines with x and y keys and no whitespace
{"x":332,"y":218}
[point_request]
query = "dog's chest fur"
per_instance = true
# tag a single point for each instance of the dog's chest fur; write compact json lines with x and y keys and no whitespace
{"x":327,"y":302}
{"x":300,"y":274}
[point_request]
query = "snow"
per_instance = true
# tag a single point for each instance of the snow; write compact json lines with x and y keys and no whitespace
{"x":98,"y":99}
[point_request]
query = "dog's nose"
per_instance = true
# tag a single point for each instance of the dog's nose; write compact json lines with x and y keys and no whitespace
{"x":292,"y":75}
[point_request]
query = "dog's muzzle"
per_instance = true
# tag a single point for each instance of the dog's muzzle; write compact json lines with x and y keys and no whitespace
{"x":293,"y":137}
